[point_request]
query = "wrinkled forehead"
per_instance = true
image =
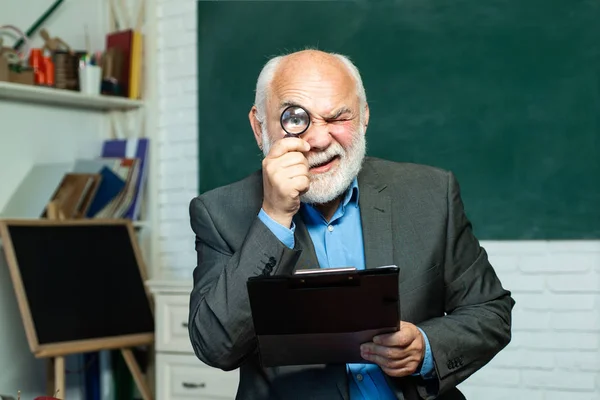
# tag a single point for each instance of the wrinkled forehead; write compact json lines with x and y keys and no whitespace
{"x":319,"y":87}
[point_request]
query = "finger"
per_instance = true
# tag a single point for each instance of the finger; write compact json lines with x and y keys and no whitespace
{"x":286,"y":169}
{"x":399,"y":372}
{"x":390,"y":352}
{"x":301,"y":184}
{"x":404,"y":337}
{"x":412,"y":352}
{"x":292,"y":172}
{"x":286,"y":145}
{"x":387,"y":339}
{"x":292,"y":158}
{"x":385,"y":362}
{"x":396,"y":339}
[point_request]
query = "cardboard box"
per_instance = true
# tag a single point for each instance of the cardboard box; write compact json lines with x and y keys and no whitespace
{"x":25,"y":77}
{"x":4,"y":74}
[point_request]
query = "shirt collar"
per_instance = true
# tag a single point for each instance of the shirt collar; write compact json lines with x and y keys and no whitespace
{"x":351,"y":196}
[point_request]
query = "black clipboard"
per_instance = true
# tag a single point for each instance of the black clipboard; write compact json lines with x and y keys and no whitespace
{"x":322,"y":317}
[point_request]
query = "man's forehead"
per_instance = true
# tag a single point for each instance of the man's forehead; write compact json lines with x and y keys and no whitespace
{"x":313,"y":90}
{"x":327,"y":107}
{"x":290,"y":75}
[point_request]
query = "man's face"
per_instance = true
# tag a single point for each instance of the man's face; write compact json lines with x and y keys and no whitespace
{"x":336,"y":133}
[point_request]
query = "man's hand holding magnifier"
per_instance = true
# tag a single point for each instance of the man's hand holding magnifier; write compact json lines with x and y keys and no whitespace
{"x":285,"y":168}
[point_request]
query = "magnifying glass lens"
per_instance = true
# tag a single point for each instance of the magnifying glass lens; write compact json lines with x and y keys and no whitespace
{"x":295,"y":120}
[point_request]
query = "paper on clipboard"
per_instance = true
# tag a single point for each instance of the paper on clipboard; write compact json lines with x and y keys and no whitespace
{"x":323,"y":270}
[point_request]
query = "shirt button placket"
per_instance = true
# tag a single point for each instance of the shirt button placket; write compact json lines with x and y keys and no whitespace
{"x":330,"y":245}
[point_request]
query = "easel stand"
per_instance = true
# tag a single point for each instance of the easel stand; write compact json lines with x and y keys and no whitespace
{"x":55,"y":379}
{"x":56,"y":376}
{"x":55,"y":382}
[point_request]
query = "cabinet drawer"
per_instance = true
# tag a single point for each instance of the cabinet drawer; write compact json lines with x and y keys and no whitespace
{"x":185,"y":377}
{"x":172,"y":324}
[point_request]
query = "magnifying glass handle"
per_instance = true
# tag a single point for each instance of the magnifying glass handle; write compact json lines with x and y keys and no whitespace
{"x":290,"y":135}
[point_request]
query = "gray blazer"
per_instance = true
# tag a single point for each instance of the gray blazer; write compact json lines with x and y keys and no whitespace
{"x":413,"y":217}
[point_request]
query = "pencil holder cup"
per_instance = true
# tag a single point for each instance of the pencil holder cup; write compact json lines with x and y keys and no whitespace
{"x":90,"y":79}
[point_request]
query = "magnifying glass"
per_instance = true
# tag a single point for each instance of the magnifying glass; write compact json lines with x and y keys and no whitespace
{"x":294,"y":121}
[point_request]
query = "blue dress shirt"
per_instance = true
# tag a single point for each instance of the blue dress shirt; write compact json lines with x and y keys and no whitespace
{"x":339,"y":243}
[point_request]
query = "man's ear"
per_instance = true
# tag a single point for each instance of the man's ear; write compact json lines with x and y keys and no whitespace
{"x":367,"y":114}
{"x":256,"y":125}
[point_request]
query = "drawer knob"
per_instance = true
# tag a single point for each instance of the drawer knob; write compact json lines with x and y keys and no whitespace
{"x":189,"y":385}
{"x":184,"y":324}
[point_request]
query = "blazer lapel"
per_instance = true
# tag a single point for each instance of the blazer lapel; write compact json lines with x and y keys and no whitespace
{"x":386,"y":244}
{"x":376,"y":218}
{"x":308,"y":257}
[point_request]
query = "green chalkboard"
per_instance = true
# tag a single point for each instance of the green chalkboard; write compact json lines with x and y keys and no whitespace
{"x":505,"y":93}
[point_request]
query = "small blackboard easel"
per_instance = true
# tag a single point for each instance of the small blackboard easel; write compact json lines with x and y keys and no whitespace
{"x":80,"y":288}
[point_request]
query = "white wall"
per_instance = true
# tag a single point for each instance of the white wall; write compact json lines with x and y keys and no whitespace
{"x":177,"y":135}
{"x":31,"y":134}
{"x":68,"y":22}
{"x":555,"y":352}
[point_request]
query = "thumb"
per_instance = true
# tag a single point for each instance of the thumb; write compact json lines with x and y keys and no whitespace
{"x":407,"y":334}
{"x":385,"y":339}
{"x":405,"y":337}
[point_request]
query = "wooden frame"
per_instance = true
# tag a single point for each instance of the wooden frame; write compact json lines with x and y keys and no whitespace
{"x":73,"y":347}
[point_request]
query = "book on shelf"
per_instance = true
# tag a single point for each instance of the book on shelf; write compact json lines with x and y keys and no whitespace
{"x":109,"y":186}
{"x":125,"y":52}
{"x":137,"y":149}
{"x":74,"y":194}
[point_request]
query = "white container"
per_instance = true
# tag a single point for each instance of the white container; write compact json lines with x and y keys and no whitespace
{"x":90,"y":79}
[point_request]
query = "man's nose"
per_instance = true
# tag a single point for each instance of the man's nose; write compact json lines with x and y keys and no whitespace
{"x":318,"y":135}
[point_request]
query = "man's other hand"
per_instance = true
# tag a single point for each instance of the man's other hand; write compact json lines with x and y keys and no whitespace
{"x":398,"y":354}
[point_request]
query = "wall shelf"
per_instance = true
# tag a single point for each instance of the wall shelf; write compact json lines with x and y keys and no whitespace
{"x":64,"y":98}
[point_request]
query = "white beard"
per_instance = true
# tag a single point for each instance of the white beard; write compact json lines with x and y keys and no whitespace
{"x":327,"y":186}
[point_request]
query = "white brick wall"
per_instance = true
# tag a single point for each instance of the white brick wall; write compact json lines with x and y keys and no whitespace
{"x":177,"y":135}
{"x":555,"y":352}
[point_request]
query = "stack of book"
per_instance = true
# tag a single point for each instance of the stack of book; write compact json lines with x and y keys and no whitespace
{"x":109,"y":187}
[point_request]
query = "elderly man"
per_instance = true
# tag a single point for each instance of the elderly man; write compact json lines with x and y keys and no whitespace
{"x":319,"y":202}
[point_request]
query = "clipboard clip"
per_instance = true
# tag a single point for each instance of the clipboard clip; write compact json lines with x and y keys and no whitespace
{"x":325,"y":278}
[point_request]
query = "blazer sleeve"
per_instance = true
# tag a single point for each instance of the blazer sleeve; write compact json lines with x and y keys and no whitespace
{"x":477,"y":324}
{"x":220,"y":322}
